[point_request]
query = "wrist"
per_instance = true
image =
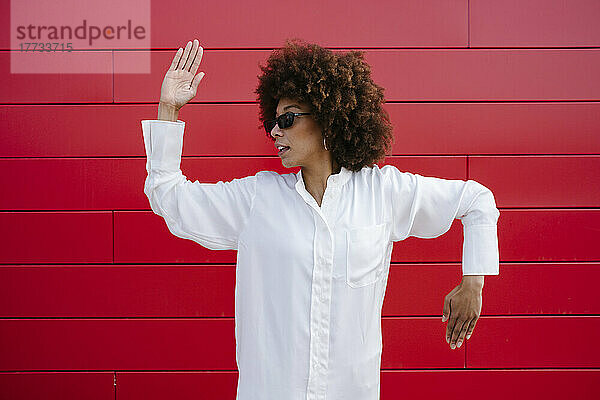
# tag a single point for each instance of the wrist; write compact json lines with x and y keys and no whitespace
{"x":167,"y":112}
{"x":473,"y":281}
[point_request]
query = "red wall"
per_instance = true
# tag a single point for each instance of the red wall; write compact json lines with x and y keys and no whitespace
{"x":95,"y":290}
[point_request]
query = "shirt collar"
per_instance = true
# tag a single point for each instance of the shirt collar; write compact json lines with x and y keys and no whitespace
{"x":336,"y":180}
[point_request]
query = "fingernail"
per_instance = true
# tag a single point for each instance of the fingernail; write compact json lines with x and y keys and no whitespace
{"x":468,"y":336}
{"x":459,"y":344}
{"x":452,"y":346}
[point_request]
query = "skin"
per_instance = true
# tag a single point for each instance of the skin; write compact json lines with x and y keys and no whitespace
{"x":305,"y":140}
{"x":462,"y":306}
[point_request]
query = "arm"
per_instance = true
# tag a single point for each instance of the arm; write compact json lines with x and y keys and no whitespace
{"x":425,"y":207}
{"x":211,"y":214}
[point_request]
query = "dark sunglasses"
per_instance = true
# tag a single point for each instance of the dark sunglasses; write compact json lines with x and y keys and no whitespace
{"x":284,"y":121}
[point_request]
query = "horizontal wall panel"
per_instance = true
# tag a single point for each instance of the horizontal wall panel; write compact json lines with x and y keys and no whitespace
{"x":143,"y":237}
{"x":426,"y":23}
{"x":549,"y":235}
{"x":101,"y":183}
{"x":126,"y":291}
{"x":231,"y":75}
{"x":406,"y":75}
{"x":487,"y":75}
{"x":385,"y":24}
{"x":208,"y":290}
{"x":57,"y":385}
{"x":109,"y":183}
{"x":540,"y":181}
{"x":494,"y":128}
{"x":213,"y":385}
{"x":56,"y":237}
{"x":491,"y":385}
{"x":534,"y":23}
{"x":105,"y":183}
{"x":419,"y":289}
{"x":184,"y":344}
{"x":418,"y":384}
{"x":419,"y":129}
{"x":76,"y":130}
{"x":117,"y":344}
{"x":57,"y":88}
{"x":543,"y":288}
{"x":116,"y":130}
{"x":418,"y":343}
{"x":73,"y":184}
{"x":535,"y":342}
{"x":523,"y":235}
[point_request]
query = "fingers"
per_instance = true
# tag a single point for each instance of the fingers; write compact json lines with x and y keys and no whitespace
{"x":197,"y":60}
{"x":450,"y":328}
{"x":192,"y":56}
{"x":471,"y":327}
{"x":196,"y":82}
{"x":460,"y":337}
{"x":188,"y":59}
{"x":185,"y":56}
{"x":446,"y":309}
{"x":451,"y":321}
{"x":458,"y":329}
{"x":453,"y":331}
{"x":176,"y":59}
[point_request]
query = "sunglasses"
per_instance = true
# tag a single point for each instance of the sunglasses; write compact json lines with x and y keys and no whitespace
{"x":284,"y":121}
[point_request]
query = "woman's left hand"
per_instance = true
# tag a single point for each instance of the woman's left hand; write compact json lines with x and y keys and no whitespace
{"x":462,"y":307}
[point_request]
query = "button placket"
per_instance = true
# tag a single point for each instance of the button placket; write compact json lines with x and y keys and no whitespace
{"x":320,"y":311}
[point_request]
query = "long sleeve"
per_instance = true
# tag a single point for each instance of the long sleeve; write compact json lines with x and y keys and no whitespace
{"x":211,"y":214}
{"x":425,"y":207}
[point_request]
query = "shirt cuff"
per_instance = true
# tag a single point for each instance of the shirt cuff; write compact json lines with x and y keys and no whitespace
{"x":480,"y":250}
{"x":163,"y":141}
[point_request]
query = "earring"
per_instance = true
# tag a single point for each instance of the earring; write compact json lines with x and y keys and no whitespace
{"x":324,"y":144}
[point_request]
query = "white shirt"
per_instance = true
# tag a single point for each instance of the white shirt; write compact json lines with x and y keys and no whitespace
{"x":310,"y":280}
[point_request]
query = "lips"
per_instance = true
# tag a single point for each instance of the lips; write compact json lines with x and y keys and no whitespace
{"x":283,"y":150}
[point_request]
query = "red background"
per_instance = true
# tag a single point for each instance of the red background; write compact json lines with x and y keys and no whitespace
{"x":99,"y":301}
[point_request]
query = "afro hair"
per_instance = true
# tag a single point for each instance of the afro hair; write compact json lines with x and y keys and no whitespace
{"x":344,"y":100}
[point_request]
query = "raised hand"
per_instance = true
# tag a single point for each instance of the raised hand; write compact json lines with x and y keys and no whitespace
{"x":181,"y":82}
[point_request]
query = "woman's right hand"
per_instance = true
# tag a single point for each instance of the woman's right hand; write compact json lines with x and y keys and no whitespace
{"x":181,"y":82}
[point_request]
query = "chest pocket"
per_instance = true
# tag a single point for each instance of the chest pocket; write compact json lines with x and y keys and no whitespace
{"x":365,"y":254}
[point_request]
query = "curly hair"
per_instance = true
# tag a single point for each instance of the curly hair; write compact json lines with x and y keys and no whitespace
{"x":344,"y":100}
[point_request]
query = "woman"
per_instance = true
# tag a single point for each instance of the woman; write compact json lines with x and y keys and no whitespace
{"x":314,"y":247}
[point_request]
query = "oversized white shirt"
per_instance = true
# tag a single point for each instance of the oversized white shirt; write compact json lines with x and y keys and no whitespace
{"x":310,"y":280}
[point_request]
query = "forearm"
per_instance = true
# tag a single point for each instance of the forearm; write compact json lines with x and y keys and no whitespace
{"x":167,"y":112}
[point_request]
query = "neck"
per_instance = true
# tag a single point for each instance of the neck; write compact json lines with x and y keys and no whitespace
{"x":315,"y":176}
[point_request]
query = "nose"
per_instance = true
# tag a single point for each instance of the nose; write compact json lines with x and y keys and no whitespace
{"x":275,"y":130}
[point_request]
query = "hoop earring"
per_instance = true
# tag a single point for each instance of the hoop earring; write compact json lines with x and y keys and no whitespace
{"x":324,"y":144}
